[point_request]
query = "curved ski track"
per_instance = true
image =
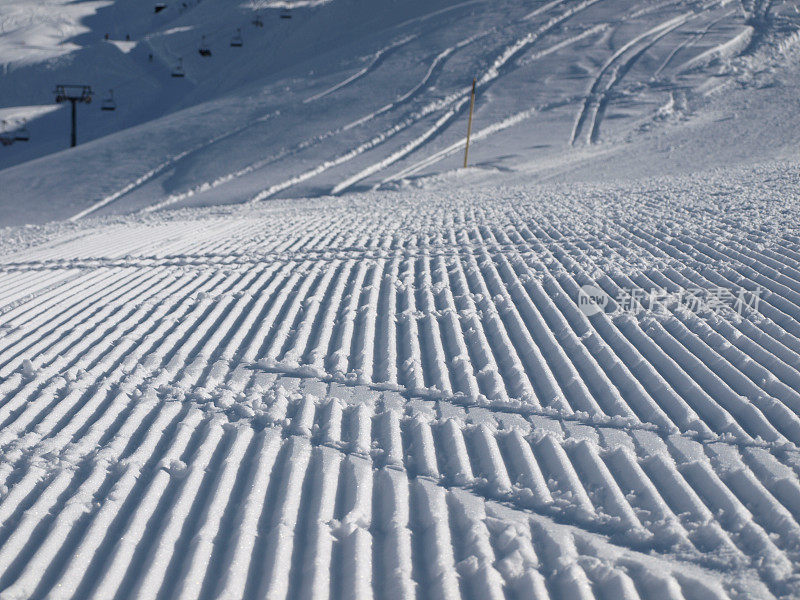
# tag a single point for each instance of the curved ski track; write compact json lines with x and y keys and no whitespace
{"x":593,"y":108}
{"x":437,"y":114}
{"x":447,"y":108}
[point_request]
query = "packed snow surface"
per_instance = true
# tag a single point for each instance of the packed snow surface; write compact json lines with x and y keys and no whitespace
{"x":396,"y":395}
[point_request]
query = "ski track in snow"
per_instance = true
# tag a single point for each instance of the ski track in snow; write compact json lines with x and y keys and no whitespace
{"x":165,"y":166}
{"x":593,"y":107}
{"x":452,"y":104}
{"x":400,"y":398}
{"x":310,"y":142}
{"x":435,"y":116}
{"x":376,"y":60}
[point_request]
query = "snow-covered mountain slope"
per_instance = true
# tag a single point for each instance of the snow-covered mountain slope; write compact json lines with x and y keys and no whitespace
{"x":260,"y":337}
{"x":354,"y":94}
{"x":397,"y":395}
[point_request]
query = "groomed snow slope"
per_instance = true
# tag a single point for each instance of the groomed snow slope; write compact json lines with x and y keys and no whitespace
{"x":396,"y":395}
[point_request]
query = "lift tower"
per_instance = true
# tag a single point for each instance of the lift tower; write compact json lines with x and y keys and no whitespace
{"x":73,"y":94}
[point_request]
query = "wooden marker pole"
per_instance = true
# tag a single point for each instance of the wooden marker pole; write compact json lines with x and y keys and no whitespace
{"x":469,"y":124}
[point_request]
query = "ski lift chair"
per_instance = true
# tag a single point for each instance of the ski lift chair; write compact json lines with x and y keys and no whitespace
{"x":5,"y":138}
{"x":22,"y":134}
{"x":204,"y":50}
{"x":178,"y":70}
{"x":108,"y":103}
{"x":237,"y":41}
{"x":257,"y":21}
{"x":159,"y":7}
{"x":286,"y":13}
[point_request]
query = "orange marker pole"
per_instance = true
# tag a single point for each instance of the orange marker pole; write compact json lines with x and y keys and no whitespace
{"x":469,"y":125}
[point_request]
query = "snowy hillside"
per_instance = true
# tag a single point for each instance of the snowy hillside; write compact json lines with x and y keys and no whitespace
{"x":354,"y":94}
{"x":262,"y":337}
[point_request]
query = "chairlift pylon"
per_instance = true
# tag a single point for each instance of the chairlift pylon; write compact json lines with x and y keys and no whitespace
{"x":236,"y":40}
{"x":204,"y":50}
{"x":108,"y":103}
{"x":178,"y":70}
